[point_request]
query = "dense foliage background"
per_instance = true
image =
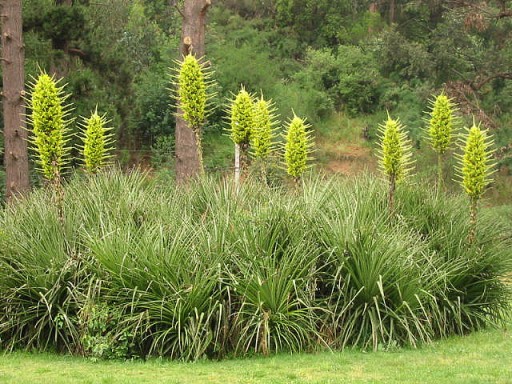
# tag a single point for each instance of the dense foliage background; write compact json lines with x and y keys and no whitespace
{"x":340,"y":63}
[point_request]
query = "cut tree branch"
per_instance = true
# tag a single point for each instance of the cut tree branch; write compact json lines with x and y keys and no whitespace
{"x":503,"y":75}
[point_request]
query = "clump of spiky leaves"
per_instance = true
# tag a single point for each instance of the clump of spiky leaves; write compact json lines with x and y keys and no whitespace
{"x":49,"y":120}
{"x":395,"y":155}
{"x":441,"y":129}
{"x":298,"y":147}
{"x":97,"y":142}
{"x":193,"y":80}
{"x":241,"y":123}
{"x":202,"y":272}
{"x":475,"y":169}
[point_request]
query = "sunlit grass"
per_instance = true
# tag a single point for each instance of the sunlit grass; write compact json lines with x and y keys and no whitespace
{"x":483,"y":357}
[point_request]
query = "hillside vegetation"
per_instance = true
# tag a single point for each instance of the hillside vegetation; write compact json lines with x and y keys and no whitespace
{"x":341,"y":64}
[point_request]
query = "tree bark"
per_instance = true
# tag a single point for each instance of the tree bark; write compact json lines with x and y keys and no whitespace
{"x":392,"y":11}
{"x":15,"y":133}
{"x":188,"y":161}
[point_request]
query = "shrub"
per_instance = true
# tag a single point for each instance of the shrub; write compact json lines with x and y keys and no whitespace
{"x":140,"y":269}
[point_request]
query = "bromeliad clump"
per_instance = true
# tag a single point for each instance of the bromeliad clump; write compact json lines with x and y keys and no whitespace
{"x":297,"y":148}
{"x":441,"y":129}
{"x":395,"y":155}
{"x":475,"y":170}
{"x":97,"y":142}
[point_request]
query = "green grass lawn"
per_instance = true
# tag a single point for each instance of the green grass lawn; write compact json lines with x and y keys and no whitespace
{"x":483,"y":357}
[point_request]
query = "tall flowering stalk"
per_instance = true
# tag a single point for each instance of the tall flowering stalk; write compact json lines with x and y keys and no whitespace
{"x":49,"y":120}
{"x":97,"y":142}
{"x":262,"y":136}
{"x":241,"y":124}
{"x":441,"y":130}
{"x":475,"y":169}
{"x":193,"y":80}
{"x":297,"y":147}
{"x":395,"y":155}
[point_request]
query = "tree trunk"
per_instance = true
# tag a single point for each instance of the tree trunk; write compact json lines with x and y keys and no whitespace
{"x":188,"y":161}
{"x":15,"y":133}
{"x":392,"y":11}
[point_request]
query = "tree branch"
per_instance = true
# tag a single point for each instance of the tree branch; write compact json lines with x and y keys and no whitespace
{"x":179,"y":10}
{"x":502,"y":75}
{"x":504,"y":13}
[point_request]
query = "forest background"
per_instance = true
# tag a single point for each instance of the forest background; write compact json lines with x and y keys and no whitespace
{"x":342,"y":64}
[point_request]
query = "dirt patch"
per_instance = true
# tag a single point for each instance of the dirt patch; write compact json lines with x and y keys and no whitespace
{"x":349,"y":159}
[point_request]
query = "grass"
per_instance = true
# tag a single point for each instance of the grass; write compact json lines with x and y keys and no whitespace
{"x":482,"y":357}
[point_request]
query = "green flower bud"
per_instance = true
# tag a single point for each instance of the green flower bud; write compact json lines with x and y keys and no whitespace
{"x":241,"y":114}
{"x":441,"y":123}
{"x":297,"y":147}
{"x":49,"y":125}
{"x":192,"y":91}
{"x":97,"y":142}
{"x":395,"y":152}
{"x":475,"y":165}
{"x":264,"y":125}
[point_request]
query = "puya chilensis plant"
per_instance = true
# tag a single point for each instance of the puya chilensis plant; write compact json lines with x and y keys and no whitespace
{"x":297,"y":147}
{"x":241,"y":124}
{"x":475,"y":169}
{"x":193,"y":80}
{"x":263,"y":133}
{"x":97,"y":142}
{"x":395,"y":155}
{"x":441,"y":129}
{"x":49,"y":119}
